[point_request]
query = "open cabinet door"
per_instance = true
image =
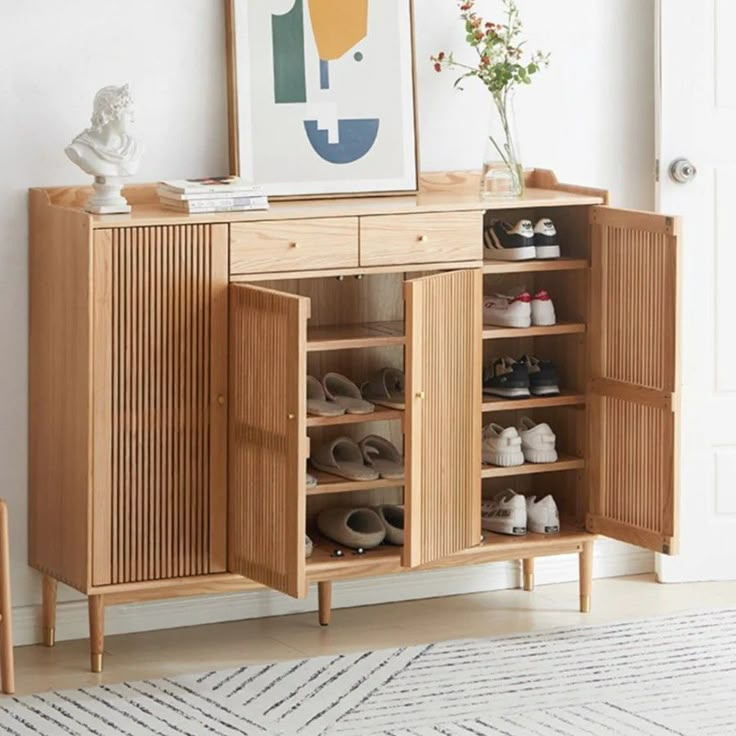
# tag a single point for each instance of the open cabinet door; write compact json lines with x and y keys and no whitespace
{"x":632,"y":394}
{"x":268,"y":438}
{"x":443,"y":415}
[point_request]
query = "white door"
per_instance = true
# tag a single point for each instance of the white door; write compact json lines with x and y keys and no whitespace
{"x":697,"y":122}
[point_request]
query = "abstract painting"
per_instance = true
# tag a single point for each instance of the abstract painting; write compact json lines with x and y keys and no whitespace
{"x":322,"y":95}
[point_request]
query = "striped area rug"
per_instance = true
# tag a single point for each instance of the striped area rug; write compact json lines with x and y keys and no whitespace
{"x":673,"y":676}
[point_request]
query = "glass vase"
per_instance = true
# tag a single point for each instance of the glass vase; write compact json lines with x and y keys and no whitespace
{"x":503,"y":174}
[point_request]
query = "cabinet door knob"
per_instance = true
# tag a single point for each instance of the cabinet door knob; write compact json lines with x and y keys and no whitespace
{"x":423,"y":238}
{"x":221,"y":400}
{"x":420,"y":394}
{"x":292,"y":416}
{"x":293,"y":245}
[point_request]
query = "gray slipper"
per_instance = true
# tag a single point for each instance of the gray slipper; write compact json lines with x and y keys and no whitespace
{"x":386,"y":388}
{"x":317,"y":403}
{"x":383,"y":456}
{"x":342,"y":457}
{"x":393,"y":522}
{"x":352,"y":527}
{"x":308,"y":546}
{"x":345,"y":393}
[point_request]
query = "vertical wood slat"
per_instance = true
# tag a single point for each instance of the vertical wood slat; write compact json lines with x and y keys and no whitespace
{"x":632,"y":393}
{"x":267,"y":438}
{"x":443,"y":443}
{"x":163,"y":322}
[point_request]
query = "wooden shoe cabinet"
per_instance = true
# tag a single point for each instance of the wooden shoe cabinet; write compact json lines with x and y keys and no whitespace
{"x":168,"y":361}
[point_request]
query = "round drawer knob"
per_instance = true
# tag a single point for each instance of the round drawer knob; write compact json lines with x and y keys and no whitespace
{"x":420,"y":394}
{"x":221,"y":400}
{"x":423,"y":238}
{"x":292,"y":416}
{"x":293,"y":245}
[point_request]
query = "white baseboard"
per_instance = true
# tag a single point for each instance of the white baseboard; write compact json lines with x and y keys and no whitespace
{"x":611,"y":560}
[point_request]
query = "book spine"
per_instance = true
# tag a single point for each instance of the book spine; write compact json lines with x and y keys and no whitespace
{"x":216,"y":208}
{"x":200,"y":194}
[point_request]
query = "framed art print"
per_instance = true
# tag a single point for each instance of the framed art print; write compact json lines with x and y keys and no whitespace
{"x":321,"y":96}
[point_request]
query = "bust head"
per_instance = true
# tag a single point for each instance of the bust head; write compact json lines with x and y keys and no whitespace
{"x":112,"y":107}
{"x":106,"y":148}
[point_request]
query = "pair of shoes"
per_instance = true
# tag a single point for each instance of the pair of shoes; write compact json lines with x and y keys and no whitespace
{"x":518,"y":379}
{"x":308,"y":546}
{"x":386,"y":388}
{"x":372,"y":458}
{"x":522,"y":242}
{"x":364,"y":527}
{"x":522,"y":310}
{"x":511,"y":513}
{"x":335,"y":395}
{"x":530,"y":442}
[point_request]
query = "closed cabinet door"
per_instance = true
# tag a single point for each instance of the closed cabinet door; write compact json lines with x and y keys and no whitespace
{"x":159,"y":402}
{"x":443,"y":421}
{"x":267,"y":437}
{"x":632,"y":395}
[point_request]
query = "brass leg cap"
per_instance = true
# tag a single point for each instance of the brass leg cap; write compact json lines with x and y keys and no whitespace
{"x":49,"y":637}
{"x":529,"y":581}
{"x":96,"y":663}
{"x":584,"y":604}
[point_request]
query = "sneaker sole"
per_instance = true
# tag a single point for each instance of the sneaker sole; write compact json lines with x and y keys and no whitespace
{"x":540,"y":456}
{"x":534,"y":529}
{"x":509,"y":322}
{"x":503,"y":460}
{"x":545,"y":252}
{"x":545,"y":390}
{"x":508,"y":393}
{"x":503,"y":528}
{"x":525,"y":253}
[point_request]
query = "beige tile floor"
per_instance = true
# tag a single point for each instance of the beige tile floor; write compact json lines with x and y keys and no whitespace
{"x":219,"y":646}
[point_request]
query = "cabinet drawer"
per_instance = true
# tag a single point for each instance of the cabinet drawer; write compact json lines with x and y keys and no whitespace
{"x":436,"y":237}
{"x":294,"y":245}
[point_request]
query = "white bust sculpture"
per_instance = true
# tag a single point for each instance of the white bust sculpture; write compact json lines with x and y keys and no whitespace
{"x":106,"y":150}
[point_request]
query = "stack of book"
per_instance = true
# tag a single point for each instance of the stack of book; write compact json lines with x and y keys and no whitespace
{"x":217,"y":194}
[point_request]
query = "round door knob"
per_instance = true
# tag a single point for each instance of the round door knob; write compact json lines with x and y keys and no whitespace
{"x":682,"y":171}
{"x":420,"y":394}
{"x":221,"y":400}
{"x":423,"y":238}
{"x":292,"y":416}
{"x":293,"y":245}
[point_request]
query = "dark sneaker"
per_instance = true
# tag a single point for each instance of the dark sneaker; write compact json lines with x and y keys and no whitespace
{"x":542,"y":376}
{"x":545,"y":239}
{"x":505,"y":377}
{"x":505,"y":243}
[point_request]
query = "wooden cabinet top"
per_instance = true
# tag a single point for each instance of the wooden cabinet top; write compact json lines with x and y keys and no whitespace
{"x":439,"y":192}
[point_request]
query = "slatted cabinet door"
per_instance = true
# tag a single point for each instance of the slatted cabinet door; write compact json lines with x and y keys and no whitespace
{"x":443,"y":410}
{"x":159,"y":346}
{"x":632,"y":394}
{"x":268,"y":437}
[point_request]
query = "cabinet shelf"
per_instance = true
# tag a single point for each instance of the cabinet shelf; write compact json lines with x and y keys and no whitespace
{"x":348,"y":337}
{"x":561,"y":328}
{"x":380,"y":415}
{"x":564,"y":462}
{"x":321,"y":565}
{"x":327,"y":483}
{"x":559,"y":264}
{"x":564,"y":398}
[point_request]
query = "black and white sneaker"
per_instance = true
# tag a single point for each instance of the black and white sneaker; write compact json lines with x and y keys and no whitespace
{"x":545,"y":239}
{"x":505,"y":243}
{"x":506,"y":377}
{"x":543,"y":379}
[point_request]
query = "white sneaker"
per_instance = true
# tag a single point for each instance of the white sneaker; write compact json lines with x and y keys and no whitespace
{"x":508,"y":311}
{"x":542,"y":517}
{"x":543,"y":310}
{"x":546,"y":244}
{"x":505,"y":514}
{"x":502,"y":446}
{"x":537,"y":441}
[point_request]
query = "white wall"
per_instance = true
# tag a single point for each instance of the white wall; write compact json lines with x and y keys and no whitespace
{"x":590,"y":117}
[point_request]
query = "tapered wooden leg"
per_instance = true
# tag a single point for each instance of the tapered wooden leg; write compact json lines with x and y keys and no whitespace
{"x":586,"y":576}
{"x":528,"y":570}
{"x":96,"y":606}
{"x":49,"y":611}
{"x":324,"y":590}
{"x":7,"y":665}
